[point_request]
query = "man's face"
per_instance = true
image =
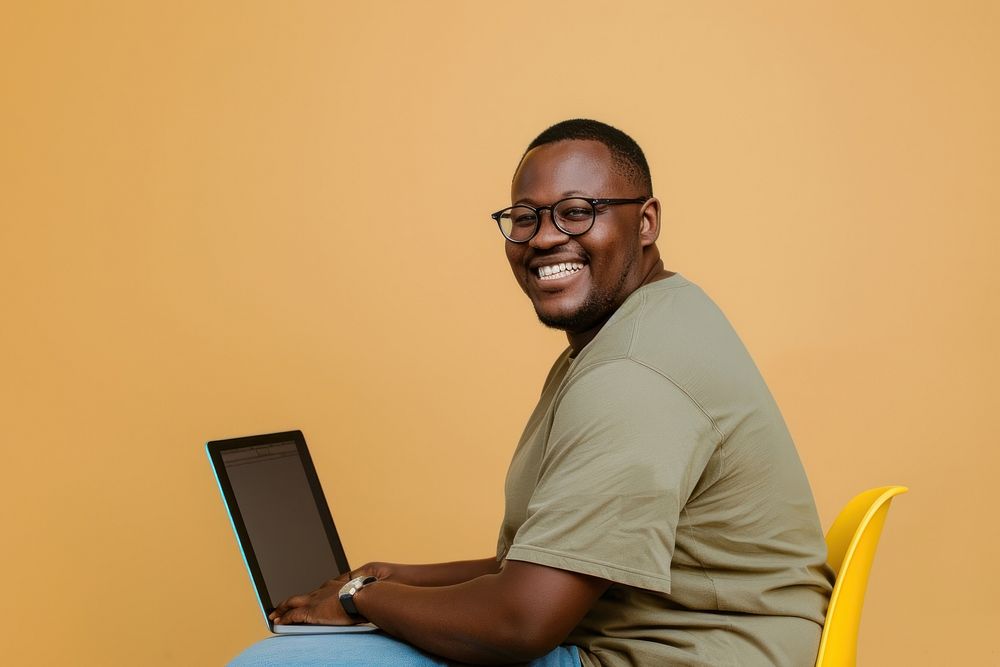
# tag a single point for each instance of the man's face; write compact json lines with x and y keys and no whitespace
{"x":609,"y":253}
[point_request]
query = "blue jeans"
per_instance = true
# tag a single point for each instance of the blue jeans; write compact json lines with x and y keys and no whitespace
{"x":366,"y":649}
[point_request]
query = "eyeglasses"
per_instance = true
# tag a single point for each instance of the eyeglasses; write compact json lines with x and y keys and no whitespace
{"x":573,"y":216}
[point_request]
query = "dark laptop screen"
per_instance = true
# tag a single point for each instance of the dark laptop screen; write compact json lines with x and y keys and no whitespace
{"x":278,"y":509}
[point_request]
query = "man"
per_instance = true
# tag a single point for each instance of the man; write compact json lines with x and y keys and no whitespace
{"x":656,"y":510}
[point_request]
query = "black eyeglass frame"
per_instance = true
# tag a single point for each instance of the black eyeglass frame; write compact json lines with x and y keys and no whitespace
{"x":594,"y":203}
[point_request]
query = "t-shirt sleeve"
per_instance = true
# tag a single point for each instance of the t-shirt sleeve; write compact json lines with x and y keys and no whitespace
{"x":624,"y":453}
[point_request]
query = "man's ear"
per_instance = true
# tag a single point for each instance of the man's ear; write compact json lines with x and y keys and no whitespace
{"x":649,"y":224}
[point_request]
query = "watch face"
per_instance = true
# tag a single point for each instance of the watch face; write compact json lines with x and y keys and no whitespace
{"x":352,"y":586}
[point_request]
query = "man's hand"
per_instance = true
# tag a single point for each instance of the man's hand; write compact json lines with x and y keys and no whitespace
{"x":321,"y":607}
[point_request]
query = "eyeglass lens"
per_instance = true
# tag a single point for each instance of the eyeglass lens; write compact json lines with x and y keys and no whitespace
{"x":573,"y":216}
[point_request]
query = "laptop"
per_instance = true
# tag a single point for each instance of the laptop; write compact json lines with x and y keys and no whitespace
{"x":281,"y":520}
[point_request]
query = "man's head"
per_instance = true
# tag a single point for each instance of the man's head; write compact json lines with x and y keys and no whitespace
{"x":627,"y":158}
{"x":616,"y":256}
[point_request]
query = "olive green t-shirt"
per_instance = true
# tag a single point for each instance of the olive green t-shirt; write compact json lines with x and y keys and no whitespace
{"x":658,"y":460}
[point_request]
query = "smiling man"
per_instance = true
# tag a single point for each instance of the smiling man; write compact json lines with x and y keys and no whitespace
{"x":656,"y":509}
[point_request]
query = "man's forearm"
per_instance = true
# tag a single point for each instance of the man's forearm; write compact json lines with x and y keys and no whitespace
{"x":521,"y":612}
{"x":442,"y":574}
{"x":468,"y":622}
{"x":518,"y":614}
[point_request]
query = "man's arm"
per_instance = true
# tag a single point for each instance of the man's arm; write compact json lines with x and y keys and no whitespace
{"x":433,"y":574}
{"x":517,"y":614}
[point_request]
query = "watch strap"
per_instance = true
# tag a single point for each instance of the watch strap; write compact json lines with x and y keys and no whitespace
{"x":349,"y":590}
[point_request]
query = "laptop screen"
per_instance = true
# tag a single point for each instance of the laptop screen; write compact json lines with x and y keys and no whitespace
{"x":279,"y":514}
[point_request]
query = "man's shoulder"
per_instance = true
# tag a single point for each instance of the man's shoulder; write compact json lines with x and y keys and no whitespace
{"x":675,"y":330}
{"x":679,"y":325}
{"x":658,"y":324}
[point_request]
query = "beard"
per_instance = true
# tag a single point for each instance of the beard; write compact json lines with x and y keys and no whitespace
{"x":597,"y":307}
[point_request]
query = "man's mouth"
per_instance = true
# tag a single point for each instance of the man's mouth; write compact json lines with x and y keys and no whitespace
{"x":556,"y":271}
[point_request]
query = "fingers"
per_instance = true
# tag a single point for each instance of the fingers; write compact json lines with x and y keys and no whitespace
{"x":281,"y":609}
{"x":321,"y":606}
{"x":296,"y":615}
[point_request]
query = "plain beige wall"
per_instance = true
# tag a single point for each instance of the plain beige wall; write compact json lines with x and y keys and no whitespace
{"x":222,"y":218}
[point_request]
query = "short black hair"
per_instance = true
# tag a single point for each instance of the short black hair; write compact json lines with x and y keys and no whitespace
{"x":628,"y":159}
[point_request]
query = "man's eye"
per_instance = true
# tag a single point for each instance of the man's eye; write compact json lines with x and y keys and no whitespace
{"x":576,"y":213}
{"x":524,"y":220}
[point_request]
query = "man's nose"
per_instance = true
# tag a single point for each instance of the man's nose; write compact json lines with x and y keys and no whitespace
{"x":548,"y":235}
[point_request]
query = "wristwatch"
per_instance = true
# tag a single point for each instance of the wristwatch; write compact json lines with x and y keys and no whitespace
{"x":347,"y":592}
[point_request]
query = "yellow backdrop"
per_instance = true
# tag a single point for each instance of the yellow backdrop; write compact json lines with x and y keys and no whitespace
{"x":223,"y":218}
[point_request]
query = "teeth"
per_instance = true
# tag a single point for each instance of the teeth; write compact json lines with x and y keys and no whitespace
{"x":558,"y":270}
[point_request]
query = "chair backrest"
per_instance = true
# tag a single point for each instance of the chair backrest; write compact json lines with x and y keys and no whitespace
{"x":851,"y":543}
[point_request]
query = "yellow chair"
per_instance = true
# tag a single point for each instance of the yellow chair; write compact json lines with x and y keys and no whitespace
{"x":851,"y":543}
